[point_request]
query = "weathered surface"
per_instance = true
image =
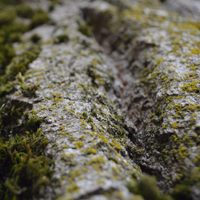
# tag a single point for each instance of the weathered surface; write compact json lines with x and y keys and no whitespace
{"x":157,"y":55}
{"x":86,"y":132}
{"x":87,"y":99}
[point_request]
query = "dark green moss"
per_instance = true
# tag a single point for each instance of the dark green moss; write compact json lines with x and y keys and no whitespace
{"x":6,"y":17}
{"x":33,"y":123}
{"x":85,"y":116}
{"x":86,"y":30}
{"x":29,"y":90}
{"x":14,"y":37}
{"x":10,"y":31}
{"x":19,"y":64}
{"x":61,"y":39}
{"x":11,"y":2}
{"x":182,"y":192}
{"x":146,"y":187}
{"x":39,"y":18}
{"x":7,"y":53}
{"x":24,"y":11}
{"x":24,"y":170}
{"x":35,"y":38}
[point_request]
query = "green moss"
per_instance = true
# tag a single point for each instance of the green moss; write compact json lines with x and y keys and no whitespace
{"x":181,"y":192}
{"x":24,"y":11}
{"x":14,"y":37}
{"x":86,"y":30}
{"x":85,"y":116}
{"x":39,"y":18}
{"x":23,"y":164}
{"x":35,"y":38}
{"x":23,"y":168}
{"x":7,"y":53}
{"x":33,"y":123}
{"x":61,"y":39}
{"x":19,"y":64}
{"x":11,"y":30}
{"x":90,"y":120}
{"x":29,"y":90}
{"x":7,"y":17}
{"x":146,"y":187}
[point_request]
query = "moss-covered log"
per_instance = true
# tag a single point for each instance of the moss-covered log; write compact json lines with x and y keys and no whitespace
{"x":106,"y":115}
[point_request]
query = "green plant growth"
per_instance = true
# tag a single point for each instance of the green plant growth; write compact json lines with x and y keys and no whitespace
{"x":10,"y":2}
{"x":18,"y":65}
{"x":147,"y":188}
{"x":29,"y":90}
{"x":86,"y":30}
{"x":7,"y":53}
{"x":61,"y":39}
{"x":11,"y":28}
{"x":35,"y":38}
{"x":182,"y":192}
{"x":24,"y":170}
{"x":7,"y":17}
{"x":39,"y":18}
{"x":24,"y":11}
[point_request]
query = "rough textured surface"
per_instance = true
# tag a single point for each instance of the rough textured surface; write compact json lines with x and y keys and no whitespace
{"x":157,"y":55}
{"x":110,"y":118}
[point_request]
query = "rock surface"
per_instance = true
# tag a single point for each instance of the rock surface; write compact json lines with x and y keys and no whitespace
{"x":119,"y":104}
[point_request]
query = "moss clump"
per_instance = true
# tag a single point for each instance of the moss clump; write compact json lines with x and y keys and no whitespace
{"x":7,"y":53}
{"x":29,"y":90}
{"x":7,"y":17}
{"x":11,"y":30}
{"x":24,"y":170}
{"x":23,"y":167}
{"x":86,"y":30}
{"x":181,"y":192}
{"x":85,"y":116}
{"x":35,"y":38}
{"x":39,"y":18}
{"x":24,"y":11}
{"x":19,"y":64}
{"x":33,"y":123}
{"x":14,"y":37}
{"x":61,"y":39}
{"x":146,"y":187}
